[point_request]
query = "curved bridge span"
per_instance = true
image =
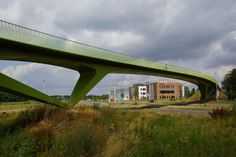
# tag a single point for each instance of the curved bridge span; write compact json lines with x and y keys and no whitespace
{"x":23,"y":44}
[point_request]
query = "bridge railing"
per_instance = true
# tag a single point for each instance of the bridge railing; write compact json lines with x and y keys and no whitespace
{"x":20,"y":33}
{"x":13,"y":31}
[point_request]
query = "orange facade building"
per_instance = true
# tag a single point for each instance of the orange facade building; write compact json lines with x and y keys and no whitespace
{"x":162,"y":91}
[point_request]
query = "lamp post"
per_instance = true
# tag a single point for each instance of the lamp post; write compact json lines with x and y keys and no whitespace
{"x":46,"y":110}
{"x":114,"y":93}
{"x":217,"y":94}
{"x":44,"y":86}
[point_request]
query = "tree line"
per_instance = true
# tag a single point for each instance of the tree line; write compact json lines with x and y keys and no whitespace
{"x":229,"y":84}
{"x":6,"y":97}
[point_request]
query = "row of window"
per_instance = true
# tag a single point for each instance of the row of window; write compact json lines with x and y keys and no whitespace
{"x":142,"y":93}
{"x":142,"y":89}
{"x":166,"y":86}
{"x":167,"y":91}
{"x":167,"y":97}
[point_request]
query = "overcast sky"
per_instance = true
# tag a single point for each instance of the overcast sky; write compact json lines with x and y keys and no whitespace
{"x":195,"y":34}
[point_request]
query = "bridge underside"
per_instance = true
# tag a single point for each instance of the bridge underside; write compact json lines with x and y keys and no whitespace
{"x":92,"y":66}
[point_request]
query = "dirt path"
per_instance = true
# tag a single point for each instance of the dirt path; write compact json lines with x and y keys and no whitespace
{"x":10,"y":111}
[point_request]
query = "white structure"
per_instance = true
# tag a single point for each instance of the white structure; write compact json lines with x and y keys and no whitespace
{"x":183,"y":91}
{"x":118,"y":95}
{"x":142,"y":92}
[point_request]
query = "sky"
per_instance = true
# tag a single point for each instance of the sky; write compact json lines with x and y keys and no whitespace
{"x":198,"y":35}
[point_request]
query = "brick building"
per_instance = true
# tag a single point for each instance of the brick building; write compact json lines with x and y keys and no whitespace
{"x":162,"y":91}
{"x":159,"y":91}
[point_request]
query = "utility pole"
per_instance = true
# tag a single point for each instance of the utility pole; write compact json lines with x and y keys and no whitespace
{"x":149,"y":92}
{"x":46,"y":110}
{"x":114,"y":92}
{"x":109,"y":94}
{"x":44,"y":86}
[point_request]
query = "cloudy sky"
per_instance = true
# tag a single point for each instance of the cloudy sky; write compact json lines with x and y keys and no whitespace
{"x":199,"y":35}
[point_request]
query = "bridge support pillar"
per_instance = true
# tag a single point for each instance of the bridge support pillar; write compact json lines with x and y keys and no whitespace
{"x":88,"y":79}
{"x":13,"y":86}
{"x":208,"y":92}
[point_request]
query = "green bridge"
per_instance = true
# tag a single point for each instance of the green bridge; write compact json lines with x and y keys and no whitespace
{"x":23,"y":44}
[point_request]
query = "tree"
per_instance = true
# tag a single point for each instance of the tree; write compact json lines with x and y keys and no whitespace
{"x":193,"y":91}
{"x":6,"y":97}
{"x":229,"y":84}
{"x":186,"y":91}
{"x":96,"y":97}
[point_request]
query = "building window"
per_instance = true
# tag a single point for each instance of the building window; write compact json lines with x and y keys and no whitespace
{"x":167,"y":91}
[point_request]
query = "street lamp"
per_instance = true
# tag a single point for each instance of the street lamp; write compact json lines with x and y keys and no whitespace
{"x":46,"y":110}
{"x":44,"y":86}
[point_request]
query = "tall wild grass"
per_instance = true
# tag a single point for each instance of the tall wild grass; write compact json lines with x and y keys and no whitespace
{"x":86,"y":132}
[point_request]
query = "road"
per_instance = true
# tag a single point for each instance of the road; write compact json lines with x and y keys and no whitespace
{"x":180,"y":111}
{"x":168,"y":109}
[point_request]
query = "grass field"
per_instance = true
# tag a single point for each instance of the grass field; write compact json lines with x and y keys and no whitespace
{"x":18,"y":105}
{"x":108,"y":132}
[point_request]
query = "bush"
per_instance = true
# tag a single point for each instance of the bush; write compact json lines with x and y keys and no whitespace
{"x":234,"y":110}
{"x":222,"y":96}
{"x":26,"y":118}
{"x":79,"y":142}
{"x":95,"y":106}
{"x":43,"y":139}
{"x":220,"y":113}
{"x":19,"y":144}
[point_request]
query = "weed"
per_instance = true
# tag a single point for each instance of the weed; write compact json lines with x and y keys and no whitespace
{"x":26,"y":118}
{"x":71,"y":116}
{"x":221,"y":113}
{"x":43,"y":139}
{"x":95,"y":106}
{"x":78,"y":141}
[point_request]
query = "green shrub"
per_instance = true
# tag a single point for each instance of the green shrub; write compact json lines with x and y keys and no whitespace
{"x":19,"y":144}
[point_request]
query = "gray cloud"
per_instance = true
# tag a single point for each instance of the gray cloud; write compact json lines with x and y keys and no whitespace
{"x":5,"y":4}
{"x":224,"y":51}
{"x":46,"y":78}
{"x":173,"y":29}
{"x":107,"y":15}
